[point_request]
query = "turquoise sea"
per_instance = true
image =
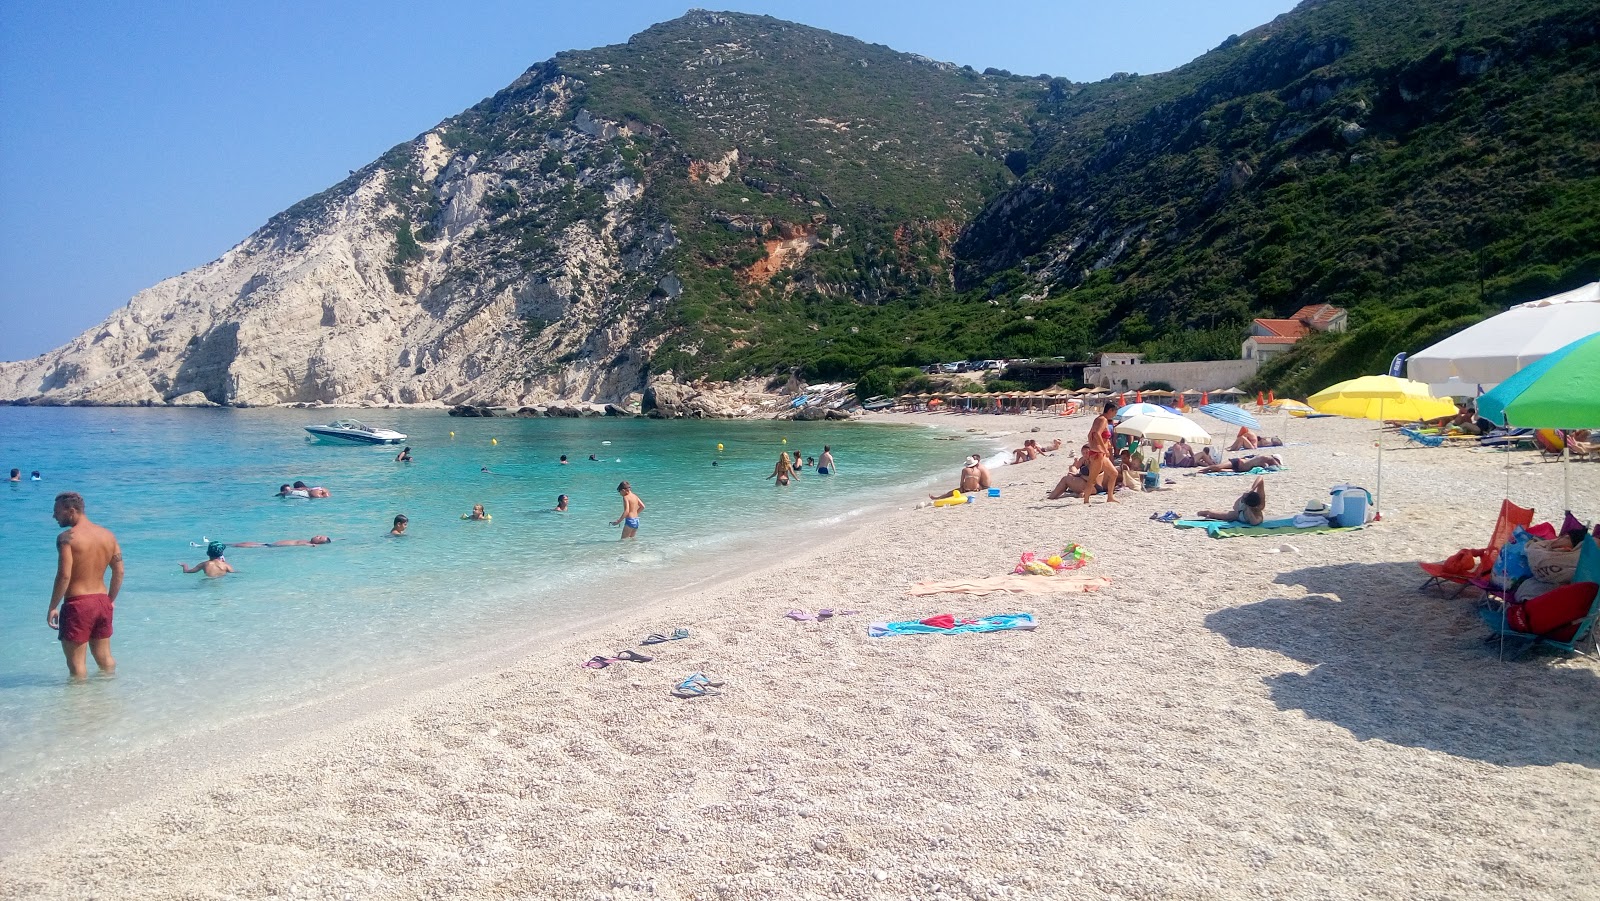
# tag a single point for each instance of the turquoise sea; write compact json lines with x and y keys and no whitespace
{"x":297,"y":624}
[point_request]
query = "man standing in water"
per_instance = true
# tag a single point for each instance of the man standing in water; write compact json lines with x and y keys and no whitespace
{"x":631,"y":508}
{"x":84,"y":552}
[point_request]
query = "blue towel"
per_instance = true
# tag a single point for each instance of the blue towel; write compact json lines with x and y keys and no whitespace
{"x":1220,"y":529}
{"x":1258,"y":471}
{"x":999,"y":622}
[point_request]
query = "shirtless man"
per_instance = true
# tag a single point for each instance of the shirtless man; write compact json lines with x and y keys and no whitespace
{"x":825,"y":462}
{"x":214,"y":566}
{"x":84,"y":552}
{"x":631,"y":508}
{"x":974,"y":477}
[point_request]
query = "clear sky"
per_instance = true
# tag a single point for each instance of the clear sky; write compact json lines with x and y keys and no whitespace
{"x":138,"y":140}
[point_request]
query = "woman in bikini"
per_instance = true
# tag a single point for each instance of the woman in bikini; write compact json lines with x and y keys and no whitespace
{"x":783,"y":472}
{"x":1101,"y":469}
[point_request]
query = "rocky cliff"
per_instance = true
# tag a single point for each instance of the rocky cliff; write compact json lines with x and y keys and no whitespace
{"x":612,"y":215}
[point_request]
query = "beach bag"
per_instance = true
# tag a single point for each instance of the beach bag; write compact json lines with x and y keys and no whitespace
{"x":1547,"y":563}
{"x":1512,"y":564}
{"x":1553,"y":613}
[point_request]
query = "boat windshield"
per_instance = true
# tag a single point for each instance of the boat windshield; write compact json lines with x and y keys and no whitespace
{"x":350,"y":424}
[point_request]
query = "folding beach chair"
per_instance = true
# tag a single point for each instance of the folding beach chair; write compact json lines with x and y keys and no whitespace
{"x":1550,"y":443}
{"x":1422,"y":439}
{"x":1483,"y":558}
{"x":1560,"y":618}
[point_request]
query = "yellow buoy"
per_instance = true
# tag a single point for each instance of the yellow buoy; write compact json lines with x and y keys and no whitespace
{"x":785,"y":441}
{"x":719,"y":447}
{"x":452,"y":434}
{"x":495,"y":441}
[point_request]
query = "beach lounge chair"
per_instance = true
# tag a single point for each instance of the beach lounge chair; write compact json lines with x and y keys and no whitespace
{"x":1550,"y":443}
{"x":1423,"y":439}
{"x":1473,"y":564}
{"x":1560,"y":618}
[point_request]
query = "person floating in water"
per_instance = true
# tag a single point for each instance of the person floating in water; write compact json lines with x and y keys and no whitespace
{"x":564,"y":459}
{"x":80,"y":604}
{"x":287,"y":542}
{"x":561,"y":504}
{"x":404,"y":456}
{"x":400,"y":523}
{"x":632,"y":506}
{"x":312,"y":490}
{"x":477,"y":514}
{"x":287,"y":490}
{"x":214,"y":566}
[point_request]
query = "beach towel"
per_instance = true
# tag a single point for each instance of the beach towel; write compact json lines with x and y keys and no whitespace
{"x":984,"y":585}
{"x":1219,"y":529}
{"x":999,"y":622}
{"x":1258,"y":471}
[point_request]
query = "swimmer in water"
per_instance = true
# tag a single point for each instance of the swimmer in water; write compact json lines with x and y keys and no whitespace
{"x":783,"y":471}
{"x":287,"y":542}
{"x":561,"y":504}
{"x":486,"y":469}
{"x":594,"y":458}
{"x":35,"y":477}
{"x":16,"y":474}
{"x":404,"y":456}
{"x":317,"y":491}
{"x":477,"y":514}
{"x":291,"y":491}
{"x":215,"y":567}
{"x":400,"y":523}
{"x":632,"y":506}
{"x":563,"y":459}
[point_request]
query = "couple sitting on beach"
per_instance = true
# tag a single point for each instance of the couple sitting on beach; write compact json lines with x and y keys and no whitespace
{"x":1182,"y":456}
{"x":1030,"y":450}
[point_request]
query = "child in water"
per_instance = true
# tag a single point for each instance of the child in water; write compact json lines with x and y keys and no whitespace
{"x":477,"y":514}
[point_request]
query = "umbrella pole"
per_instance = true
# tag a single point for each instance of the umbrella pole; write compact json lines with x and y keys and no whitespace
{"x":1377,"y":501}
{"x":1566,"y":473}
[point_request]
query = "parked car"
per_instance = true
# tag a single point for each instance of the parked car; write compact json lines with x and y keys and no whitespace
{"x":949,"y":367}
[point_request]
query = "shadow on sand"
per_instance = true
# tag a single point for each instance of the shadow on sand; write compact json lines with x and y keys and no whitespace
{"x":1411,"y":668}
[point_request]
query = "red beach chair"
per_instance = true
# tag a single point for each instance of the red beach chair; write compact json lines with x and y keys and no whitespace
{"x":1471,"y":565}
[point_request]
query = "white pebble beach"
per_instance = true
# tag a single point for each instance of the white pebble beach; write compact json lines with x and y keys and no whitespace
{"x":1229,"y":719}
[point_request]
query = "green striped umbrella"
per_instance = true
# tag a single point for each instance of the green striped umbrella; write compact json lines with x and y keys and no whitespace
{"x":1558,"y":391}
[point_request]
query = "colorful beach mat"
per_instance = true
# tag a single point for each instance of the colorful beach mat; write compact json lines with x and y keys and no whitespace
{"x":1258,"y":471}
{"x":937,"y":625}
{"x":1280,"y":527}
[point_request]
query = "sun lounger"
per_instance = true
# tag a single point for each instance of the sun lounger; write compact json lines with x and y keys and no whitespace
{"x":1423,"y":439}
{"x":1280,"y":527}
{"x":1511,"y":516}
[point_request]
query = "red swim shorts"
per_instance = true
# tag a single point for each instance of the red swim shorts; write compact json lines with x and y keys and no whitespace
{"x":85,"y":618}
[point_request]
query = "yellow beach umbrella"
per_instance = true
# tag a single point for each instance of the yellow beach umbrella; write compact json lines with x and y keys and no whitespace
{"x":1380,"y":397}
{"x":1292,"y":407}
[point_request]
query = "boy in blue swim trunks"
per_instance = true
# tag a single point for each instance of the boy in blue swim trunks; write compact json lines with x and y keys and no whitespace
{"x":632,"y":506}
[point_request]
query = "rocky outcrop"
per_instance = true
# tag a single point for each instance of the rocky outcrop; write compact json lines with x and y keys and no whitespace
{"x":668,"y":400}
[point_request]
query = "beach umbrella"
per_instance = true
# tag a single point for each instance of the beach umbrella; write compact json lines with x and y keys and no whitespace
{"x":1380,"y":397}
{"x":1292,"y":406}
{"x":1491,"y":351}
{"x":1229,"y":392}
{"x":1560,"y":391}
{"x":1143,"y":409}
{"x":1231,"y":414}
{"x":1163,"y":428}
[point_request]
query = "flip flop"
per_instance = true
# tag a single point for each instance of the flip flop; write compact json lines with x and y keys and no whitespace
{"x":703,"y":679}
{"x":679,"y":633}
{"x":633,"y":657}
{"x":690,"y":688}
{"x":800,"y":616}
{"x":598,"y":661}
{"x":655,"y":638}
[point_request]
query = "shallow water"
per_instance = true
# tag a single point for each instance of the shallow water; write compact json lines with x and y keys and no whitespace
{"x":296,"y":624}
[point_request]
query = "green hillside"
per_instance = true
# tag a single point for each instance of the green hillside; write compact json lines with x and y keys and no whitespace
{"x":1423,"y":164}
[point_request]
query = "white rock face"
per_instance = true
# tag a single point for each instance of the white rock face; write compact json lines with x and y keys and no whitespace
{"x":516,"y":291}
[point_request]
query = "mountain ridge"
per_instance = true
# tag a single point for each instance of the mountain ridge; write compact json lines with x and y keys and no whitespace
{"x":730,"y":196}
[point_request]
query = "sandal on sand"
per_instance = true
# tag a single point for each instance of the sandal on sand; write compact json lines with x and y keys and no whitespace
{"x":696,"y":686}
{"x":657,"y":637}
{"x":702,"y":679}
{"x":1169,"y":516}
{"x":598,"y":661}
{"x":800,"y":616}
{"x":633,"y":657}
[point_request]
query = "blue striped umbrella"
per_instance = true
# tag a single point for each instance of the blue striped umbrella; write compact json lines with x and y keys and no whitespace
{"x":1231,"y":414}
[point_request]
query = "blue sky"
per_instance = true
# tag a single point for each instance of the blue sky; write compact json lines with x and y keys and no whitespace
{"x":138,"y":140}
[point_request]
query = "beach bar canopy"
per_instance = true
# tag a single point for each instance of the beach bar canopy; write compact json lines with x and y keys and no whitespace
{"x":1490,"y":352}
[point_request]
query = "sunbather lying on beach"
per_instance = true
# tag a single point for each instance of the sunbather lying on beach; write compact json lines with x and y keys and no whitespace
{"x":1250,"y":508}
{"x":1248,"y":440}
{"x":1235,"y":464}
{"x":1581,"y":443}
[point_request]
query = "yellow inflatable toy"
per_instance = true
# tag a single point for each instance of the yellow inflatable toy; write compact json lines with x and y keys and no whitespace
{"x":956,"y":498}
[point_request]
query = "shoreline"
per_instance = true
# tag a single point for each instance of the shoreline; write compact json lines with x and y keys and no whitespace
{"x":1220,"y":722}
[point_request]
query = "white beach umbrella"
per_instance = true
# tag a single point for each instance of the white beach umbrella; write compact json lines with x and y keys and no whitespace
{"x":1164,"y":428}
{"x":1490,"y":352}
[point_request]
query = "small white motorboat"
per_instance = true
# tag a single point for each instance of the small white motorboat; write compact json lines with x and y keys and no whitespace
{"x":351,"y":431}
